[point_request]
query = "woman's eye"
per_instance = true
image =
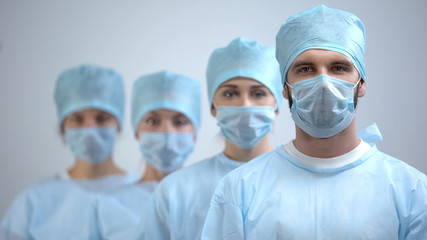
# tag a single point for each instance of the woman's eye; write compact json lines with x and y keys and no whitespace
{"x":75,"y":119}
{"x":151,"y":121}
{"x":181,"y":121}
{"x":259,"y":94}
{"x":103,"y":118}
{"x":229,"y":94}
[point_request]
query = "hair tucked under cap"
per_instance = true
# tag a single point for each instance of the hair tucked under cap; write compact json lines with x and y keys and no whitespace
{"x":166,"y":90}
{"x":89,"y":86}
{"x":321,"y":28}
{"x":244,"y":58}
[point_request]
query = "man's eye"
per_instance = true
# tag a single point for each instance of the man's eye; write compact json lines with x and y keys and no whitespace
{"x":339,"y":68}
{"x":304,"y":69}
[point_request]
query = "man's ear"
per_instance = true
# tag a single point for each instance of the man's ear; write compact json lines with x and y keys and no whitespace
{"x":285,"y":92}
{"x":362,"y":88}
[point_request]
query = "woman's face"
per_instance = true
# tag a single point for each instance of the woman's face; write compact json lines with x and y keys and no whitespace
{"x":90,"y":117}
{"x":165,"y":121}
{"x":242,"y":92}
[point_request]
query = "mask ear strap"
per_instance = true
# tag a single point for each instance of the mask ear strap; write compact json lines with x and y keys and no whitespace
{"x":289,"y":95}
{"x":355,"y":85}
{"x":276,"y":107}
{"x":214,"y":105}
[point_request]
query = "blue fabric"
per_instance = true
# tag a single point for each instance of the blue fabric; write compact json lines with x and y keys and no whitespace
{"x":370,"y":134}
{"x":105,"y":184}
{"x":166,"y":152}
{"x":119,"y":211}
{"x":166,"y":90}
{"x":244,"y":58}
{"x":323,"y":106}
{"x":89,"y":86}
{"x":321,"y":28}
{"x":51,"y":210}
{"x":91,"y":144}
{"x":181,"y":200}
{"x":58,"y":209}
{"x":278,"y":197}
{"x":245,"y":126}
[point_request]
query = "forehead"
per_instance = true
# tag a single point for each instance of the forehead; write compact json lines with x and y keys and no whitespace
{"x":241,"y":82}
{"x":89,"y":112}
{"x":163,"y":112}
{"x":319,"y":56}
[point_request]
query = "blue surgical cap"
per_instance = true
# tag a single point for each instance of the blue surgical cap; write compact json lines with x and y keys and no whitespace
{"x":321,"y":28}
{"x":166,"y":90}
{"x":244,"y":58}
{"x":89,"y":86}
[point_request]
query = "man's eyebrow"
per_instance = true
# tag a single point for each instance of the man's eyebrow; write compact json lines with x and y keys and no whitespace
{"x":346,"y":63}
{"x":300,"y":63}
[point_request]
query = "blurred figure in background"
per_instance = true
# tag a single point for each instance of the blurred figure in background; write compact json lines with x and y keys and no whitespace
{"x":90,"y":106}
{"x":166,"y":113}
{"x":244,"y":91}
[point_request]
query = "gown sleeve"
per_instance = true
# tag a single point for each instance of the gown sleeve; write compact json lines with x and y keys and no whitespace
{"x":417,"y":226}
{"x":15,"y":223}
{"x":225,"y":217}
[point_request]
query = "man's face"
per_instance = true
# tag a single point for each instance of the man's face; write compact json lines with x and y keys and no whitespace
{"x":314,"y":62}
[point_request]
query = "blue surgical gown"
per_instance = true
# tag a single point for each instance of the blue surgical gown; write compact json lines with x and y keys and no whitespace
{"x":58,"y":208}
{"x":181,"y":200}
{"x":278,"y":197}
{"x":119,"y":211}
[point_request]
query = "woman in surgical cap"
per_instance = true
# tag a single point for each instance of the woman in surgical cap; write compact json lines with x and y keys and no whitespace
{"x":165,"y":118}
{"x":90,"y":104}
{"x":244,"y":92}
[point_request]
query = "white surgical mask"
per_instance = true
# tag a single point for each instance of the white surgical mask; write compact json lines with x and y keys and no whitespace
{"x":245,"y":126}
{"x":323,"y":106}
{"x":92,"y":144}
{"x":166,"y":152}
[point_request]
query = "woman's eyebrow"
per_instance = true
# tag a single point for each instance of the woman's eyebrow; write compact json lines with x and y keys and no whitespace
{"x":152,"y":114}
{"x":227,"y":85}
{"x":258,"y":86}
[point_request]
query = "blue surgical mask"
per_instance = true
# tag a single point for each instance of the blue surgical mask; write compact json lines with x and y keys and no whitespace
{"x":245,"y":126}
{"x":323,"y":106}
{"x":166,"y":152}
{"x":92,"y":144}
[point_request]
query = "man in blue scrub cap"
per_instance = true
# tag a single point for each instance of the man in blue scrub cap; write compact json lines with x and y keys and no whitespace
{"x":244,"y":91}
{"x":327,"y":183}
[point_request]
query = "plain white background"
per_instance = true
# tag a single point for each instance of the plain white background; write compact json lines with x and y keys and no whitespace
{"x":40,"y":38}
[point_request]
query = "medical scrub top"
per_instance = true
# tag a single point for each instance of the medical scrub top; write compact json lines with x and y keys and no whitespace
{"x":58,"y":208}
{"x":276,"y":196}
{"x":119,"y":211}
{"x":181,"y":201}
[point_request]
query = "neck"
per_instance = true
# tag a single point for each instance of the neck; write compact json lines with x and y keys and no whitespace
{"x":334,"y":146}
{"x":85,"y":170}
{"x":245,"y":155}
{"x":152,"y":174}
